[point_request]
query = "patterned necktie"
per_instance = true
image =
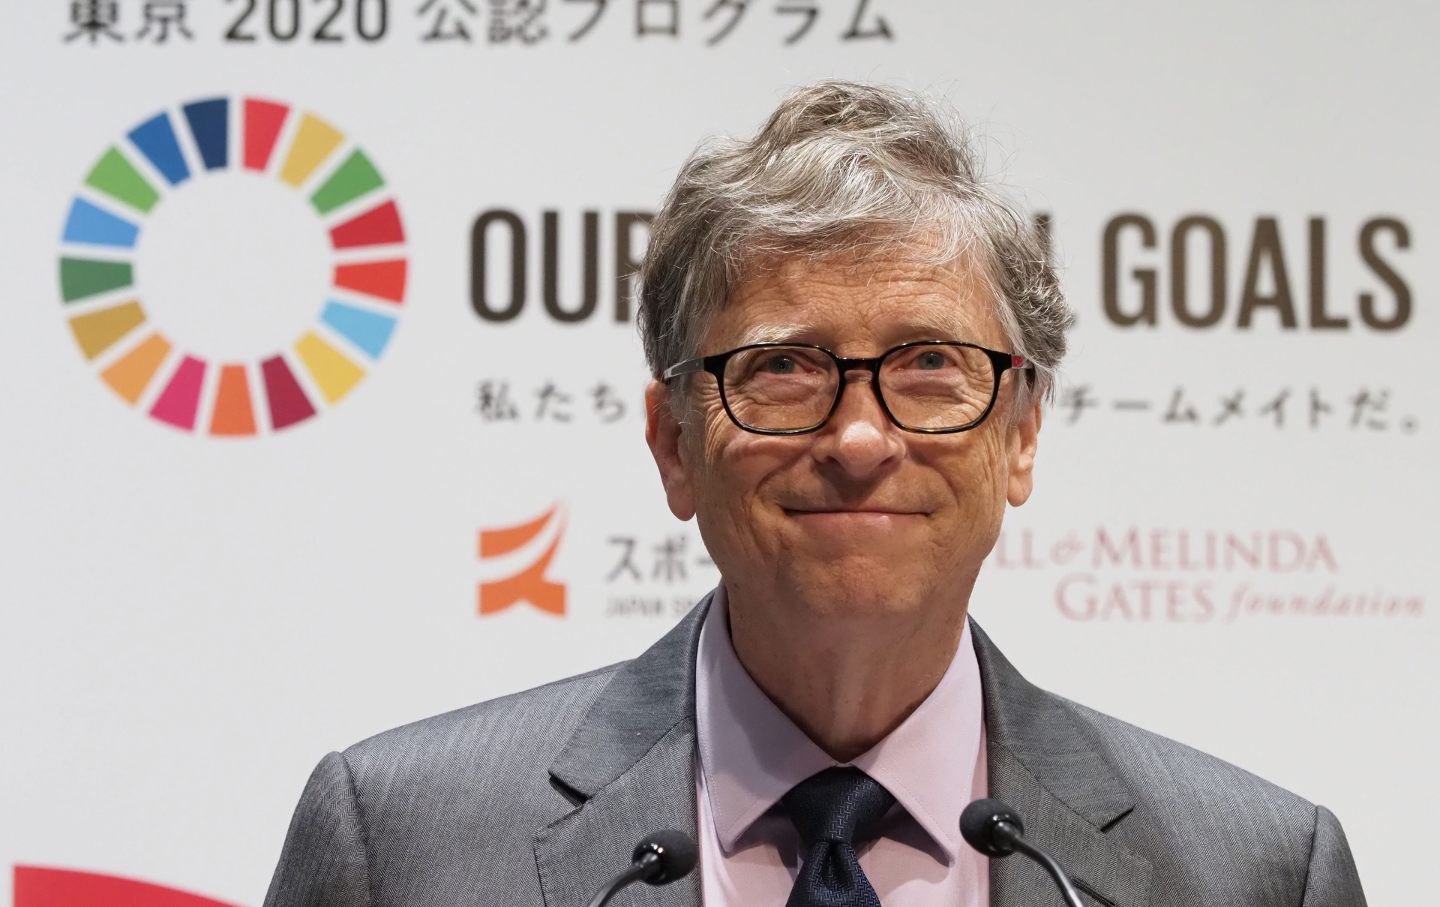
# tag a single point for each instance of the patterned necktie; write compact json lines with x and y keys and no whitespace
{"x":836,"y":812}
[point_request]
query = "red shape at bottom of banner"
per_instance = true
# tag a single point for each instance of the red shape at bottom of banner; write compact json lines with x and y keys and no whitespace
{"x":37,"y":886}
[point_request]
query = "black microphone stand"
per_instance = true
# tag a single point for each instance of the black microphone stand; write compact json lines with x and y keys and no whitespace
{"x":663,"y":857}
{"x":1012,"y":836}
{"x":636,"y":872}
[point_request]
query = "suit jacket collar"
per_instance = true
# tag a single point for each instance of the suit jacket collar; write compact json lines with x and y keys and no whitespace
{"x":631,"y":762}
{"x":1041,"y":731}
{"x":1045,"y":763}
{"x":645,"y":700}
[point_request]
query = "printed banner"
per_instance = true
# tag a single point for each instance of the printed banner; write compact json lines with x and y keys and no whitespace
{"x":324,"y":396}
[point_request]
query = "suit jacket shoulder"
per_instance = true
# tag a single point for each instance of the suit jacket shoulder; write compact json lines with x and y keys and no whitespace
{"x":1166,"y":769}
{"x":530,"y":800}
{"x":1144,"y":819}
{"x":437,"y":811}
{"x":477,"y":741}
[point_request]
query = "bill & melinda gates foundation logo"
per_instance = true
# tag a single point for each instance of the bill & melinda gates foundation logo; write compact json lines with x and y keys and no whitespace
{"x":1164,"y":574}
{"x":233,"y":266}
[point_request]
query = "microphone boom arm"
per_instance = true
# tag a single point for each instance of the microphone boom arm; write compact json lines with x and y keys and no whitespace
{"x":635,"y":872}
{"x":1012,"y":836}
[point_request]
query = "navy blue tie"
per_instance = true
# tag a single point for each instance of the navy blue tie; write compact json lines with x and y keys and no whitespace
{"x":836,"y":811}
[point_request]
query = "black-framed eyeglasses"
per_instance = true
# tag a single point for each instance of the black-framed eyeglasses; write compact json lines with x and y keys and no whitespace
{"x":934,"y":387}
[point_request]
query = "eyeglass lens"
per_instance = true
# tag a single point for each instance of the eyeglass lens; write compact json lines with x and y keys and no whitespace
{"x":792,"y":388}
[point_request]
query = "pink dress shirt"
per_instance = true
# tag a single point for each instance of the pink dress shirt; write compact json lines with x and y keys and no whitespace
{"x":750,"y":754}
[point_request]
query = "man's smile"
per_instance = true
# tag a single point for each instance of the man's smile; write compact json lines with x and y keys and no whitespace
{"x":861,"y":518}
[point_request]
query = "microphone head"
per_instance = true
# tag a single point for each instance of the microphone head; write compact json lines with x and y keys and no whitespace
{"x":979,"y":823}
{"x":673,"y":853}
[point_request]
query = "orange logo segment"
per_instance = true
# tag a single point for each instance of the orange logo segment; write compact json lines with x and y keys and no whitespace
{"x":530,"y":584}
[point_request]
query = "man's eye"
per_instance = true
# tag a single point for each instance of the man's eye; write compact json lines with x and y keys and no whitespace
{"x":780,"y":365}
{"x":931,"y":359}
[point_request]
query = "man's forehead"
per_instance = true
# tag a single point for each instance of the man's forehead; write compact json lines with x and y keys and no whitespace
{"x":894,"y":296}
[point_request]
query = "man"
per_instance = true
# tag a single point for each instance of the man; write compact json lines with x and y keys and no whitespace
{"x":851,"y":337}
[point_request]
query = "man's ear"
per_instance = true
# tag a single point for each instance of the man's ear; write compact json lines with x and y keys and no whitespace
{"x":663,"y":434}
{"x":1023,"y":440}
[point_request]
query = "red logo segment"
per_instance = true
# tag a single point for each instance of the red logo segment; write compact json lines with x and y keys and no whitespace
{"x":37,"y":886}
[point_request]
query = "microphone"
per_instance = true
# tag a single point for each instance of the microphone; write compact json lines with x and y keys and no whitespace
{"x":661,"y":858}
{"x":995,"y":830}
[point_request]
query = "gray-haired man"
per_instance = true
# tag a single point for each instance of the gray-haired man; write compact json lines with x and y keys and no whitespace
{"x":851,"y":337}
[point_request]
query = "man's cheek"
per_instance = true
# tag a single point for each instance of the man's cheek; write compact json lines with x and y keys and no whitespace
{"x":988,"y":460}
{"x":718,"y":436}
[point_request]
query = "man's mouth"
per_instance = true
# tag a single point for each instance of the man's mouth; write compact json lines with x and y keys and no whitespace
{"x":895,"y":510}
{"x":857,"y":512}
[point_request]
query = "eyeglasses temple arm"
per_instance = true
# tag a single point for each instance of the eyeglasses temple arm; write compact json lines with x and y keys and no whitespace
{"x":689,"y":366}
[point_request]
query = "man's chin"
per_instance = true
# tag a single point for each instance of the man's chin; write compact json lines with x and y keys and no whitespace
{"x":882,"y":537}
{"x":860,"y":588}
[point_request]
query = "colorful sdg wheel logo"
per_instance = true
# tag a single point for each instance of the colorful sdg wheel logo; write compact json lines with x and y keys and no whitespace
{"x":233,"y":266}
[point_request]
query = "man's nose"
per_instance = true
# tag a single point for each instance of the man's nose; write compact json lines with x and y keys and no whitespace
{"x":859,"y":438}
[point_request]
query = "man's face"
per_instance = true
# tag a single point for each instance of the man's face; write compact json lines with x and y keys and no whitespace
{"x":860,"y":519}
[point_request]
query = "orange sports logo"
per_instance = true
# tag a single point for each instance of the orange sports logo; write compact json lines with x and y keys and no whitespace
{"x":501,"y":547}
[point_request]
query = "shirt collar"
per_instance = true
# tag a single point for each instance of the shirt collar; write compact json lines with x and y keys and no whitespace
{"x":751,"y":753}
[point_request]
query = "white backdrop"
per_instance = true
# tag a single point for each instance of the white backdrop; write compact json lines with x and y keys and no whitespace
{"x":1231,"y":537}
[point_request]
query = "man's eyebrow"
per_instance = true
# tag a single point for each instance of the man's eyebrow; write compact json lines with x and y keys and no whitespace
{"x":932,"y":328}
{"x":775,"y":333}
{"x":919,"y":328}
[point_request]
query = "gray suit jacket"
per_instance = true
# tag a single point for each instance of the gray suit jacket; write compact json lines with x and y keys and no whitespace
{"x":536,"y":799}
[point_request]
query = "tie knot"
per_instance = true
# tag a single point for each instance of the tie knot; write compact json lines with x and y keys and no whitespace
{"x":838,"y":804}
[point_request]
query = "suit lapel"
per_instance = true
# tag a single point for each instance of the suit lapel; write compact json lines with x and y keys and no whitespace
{"x":1042,"y":764}
{"x":631,"y":764}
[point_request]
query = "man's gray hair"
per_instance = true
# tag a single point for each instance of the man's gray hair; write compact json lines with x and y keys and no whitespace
{"x":843,"y":168}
